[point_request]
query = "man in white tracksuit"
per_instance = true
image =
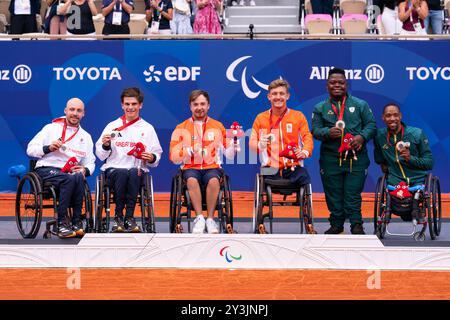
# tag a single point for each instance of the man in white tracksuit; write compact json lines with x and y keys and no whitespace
{"x":54,"y":146}
{"x":123,"y":171}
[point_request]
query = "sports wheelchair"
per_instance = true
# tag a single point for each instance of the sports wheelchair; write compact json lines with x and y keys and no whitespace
{"x":179,"y":198}
{"x":429,"y":205}
{"x":33,"y":195}
{"x":265,"y":188}
{"x":104,"y":197}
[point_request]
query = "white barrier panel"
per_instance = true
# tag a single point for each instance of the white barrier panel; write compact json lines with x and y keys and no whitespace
{"x":246,"y":251}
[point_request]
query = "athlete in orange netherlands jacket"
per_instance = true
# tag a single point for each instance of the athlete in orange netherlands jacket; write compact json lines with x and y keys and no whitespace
{"x":275,"y":129}
{"x":197,"y":145}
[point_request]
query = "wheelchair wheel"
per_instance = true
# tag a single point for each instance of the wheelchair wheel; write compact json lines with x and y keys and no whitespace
{"x":259,"y":206}
{"x":226,"y":212}
{"x":380,"y":208}
{"x":175,"y":205}
{"x":99,"y":202}
{"x":86,"y":212}
{"x":428,"y":205}
{"x":256,"y":202}
{"x":172,"y":205}
{"x":147,"y":206}
{"x":29,"y":206}
{"x":306,"y":215}
{"x":436,"y":203}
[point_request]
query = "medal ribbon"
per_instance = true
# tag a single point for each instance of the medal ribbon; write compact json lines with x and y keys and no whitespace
{"x":396,"y":154}
{"x":125,"y":124}
{"x":340,"y":116}
{"x":278,"y":120}
{"x":196,"y":132}
{"x":272,"y":125}
{"x":63,"y":134}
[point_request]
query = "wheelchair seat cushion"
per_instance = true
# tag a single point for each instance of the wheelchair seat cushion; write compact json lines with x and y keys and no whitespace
{"x":280,"y":183}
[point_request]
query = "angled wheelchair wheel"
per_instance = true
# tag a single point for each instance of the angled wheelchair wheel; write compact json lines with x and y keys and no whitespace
{"x":379,"y":218}
{"x":172,"y":205}
{"x":306,"y":207}
{"x":87,"y":212}
{"x":175,"y":205}
{"x":147,"y":206}
{"x":437,"y":209}
{"x":256,"y":203}
{"x":29,"y":205}
{"x":427,"y":205}
{"x":99,"y":204}
{"x":259,"y":205}
{"x":226,"y":219}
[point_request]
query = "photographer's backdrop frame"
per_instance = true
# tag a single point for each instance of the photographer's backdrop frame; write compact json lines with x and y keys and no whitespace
{"x":38,"y":77}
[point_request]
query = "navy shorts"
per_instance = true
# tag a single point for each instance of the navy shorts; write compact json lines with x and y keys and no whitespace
{"x":202,"y":176}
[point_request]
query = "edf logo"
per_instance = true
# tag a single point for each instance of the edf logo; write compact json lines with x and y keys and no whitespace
{"x":172,"y":73}
{"x":22,"y":73}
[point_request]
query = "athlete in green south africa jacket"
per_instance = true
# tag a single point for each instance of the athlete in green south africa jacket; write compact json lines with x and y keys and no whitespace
{"x":421,"y":160}
{"x":359,"y":120}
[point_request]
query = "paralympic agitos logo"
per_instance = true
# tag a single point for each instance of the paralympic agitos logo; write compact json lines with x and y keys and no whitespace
{"x":224,"y":252}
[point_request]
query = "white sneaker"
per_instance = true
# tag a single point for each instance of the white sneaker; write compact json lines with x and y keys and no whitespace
{"x":211,"y":226}
{"x":252,"y":3}
{"x":199,"y":224}
{"x":234,"y":3}
{"x":241,"y":3}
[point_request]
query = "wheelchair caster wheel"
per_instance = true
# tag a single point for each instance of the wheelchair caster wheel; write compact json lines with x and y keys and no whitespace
{"x":419,"y":236}
{"x":262,"y":229}
{"x":310,"y":229}
{"x":178,"y":228}
{"x":230,"y":229}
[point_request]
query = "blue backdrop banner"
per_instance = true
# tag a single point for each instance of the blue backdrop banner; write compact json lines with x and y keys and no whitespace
{"x":38,"y":77}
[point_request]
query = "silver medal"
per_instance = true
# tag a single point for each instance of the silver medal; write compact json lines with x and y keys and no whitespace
{"x":402,"y":145}
{"x":340,"y":124}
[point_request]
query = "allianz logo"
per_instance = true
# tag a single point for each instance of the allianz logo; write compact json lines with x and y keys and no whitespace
{"x":87,"y":73}
{"x":425,"y":73}
{"x":373,"y":73}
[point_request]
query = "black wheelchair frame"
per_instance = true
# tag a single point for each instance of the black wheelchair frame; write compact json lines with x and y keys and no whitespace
{"x":179,"y":198}
{"x":105,"y":198}
{"x":430,"y":204}
{"x":31,"y":197}
{"x":265,"y":188}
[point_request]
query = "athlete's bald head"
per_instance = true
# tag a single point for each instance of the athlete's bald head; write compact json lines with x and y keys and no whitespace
{"x":74,"y":111}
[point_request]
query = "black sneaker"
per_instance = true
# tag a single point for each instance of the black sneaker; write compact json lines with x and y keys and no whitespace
{"x":131,"y":225}
{"x":78,"y":227}
{"x":64,"y":231}
{"x":118,"y":225}
{"x":357,"y":228}
{"x":334,"y":230}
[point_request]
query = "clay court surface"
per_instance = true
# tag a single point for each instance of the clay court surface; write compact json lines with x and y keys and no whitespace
{"x":176,"y":284}
{"x":168,"y":284}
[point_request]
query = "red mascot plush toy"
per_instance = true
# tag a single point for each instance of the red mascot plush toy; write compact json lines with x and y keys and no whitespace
{"x":72,"y":162}
{"x":289,"y":151}
{"x":235,"y":133}
{"x":345,"y":146}
{"x":137,"y":150}
{"x":401,"y":191}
